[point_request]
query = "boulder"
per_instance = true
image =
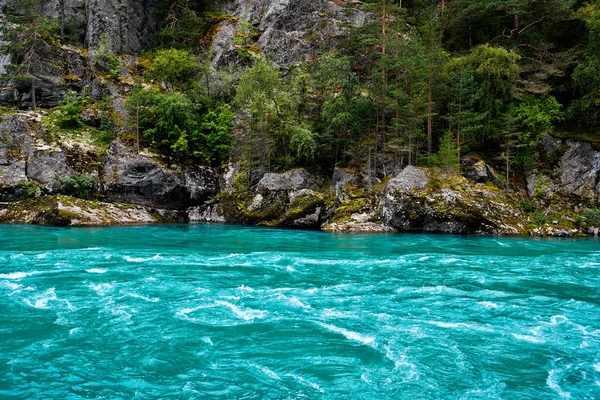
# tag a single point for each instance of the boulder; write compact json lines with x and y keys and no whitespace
{"x":414,"y":201}
{"x":48,"y":168}
{"x":201,"y":183}
{"x":16,"y":143}
{"x":339,"y":181}
{"x":212,"y":213}
{"x":579,"y":169}
{"x":133,"y":178}
{"x":295,"y":179}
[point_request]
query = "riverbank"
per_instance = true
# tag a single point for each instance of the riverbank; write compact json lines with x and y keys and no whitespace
{"x":559,"y":197}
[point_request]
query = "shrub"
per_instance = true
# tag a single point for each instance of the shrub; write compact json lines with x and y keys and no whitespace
{"x":106,"y":61}
{"x":592,"y":217}
{"x":176,"y":69}
{"x":79,"y":185}
{"x":71,"y":109}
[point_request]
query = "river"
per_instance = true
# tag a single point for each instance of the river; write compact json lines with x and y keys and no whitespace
{"x":221,"y":312}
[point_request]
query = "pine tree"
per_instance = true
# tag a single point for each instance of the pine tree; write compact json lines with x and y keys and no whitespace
{"x":29,"y":35}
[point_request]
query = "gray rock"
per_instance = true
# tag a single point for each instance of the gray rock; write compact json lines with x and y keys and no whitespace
{"x":133,"y":178}
{"x":295,"y":179}
{"x":230,"y":173}
{"x":129,"y":25}
{"x":16,"y":143}
{"x":201,"y":183}
{"x":339,"y":181}
{"x":409,"y":178}
{"x":410,"y":205}
{"x":290,"y":30}
{"x":206,"y":214}
{"x":475,"y":170}
{"x":579,"y":169}
{"x":48,"y":168}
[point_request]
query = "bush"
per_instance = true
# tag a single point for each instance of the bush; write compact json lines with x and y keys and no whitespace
{"x":79,"y":185}
{"x":106,"y":61}
{"x":592,"y":217}
{"x":176,"y":69}
{"x":71,"y":110}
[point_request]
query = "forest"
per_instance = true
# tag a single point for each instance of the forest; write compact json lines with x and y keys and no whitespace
{"x":422,"y":82}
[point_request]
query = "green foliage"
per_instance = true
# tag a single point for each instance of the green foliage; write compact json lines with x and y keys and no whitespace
{"x":245,"y":39}
{"x":447,"y":157}
{"x":180,"y":128}
{"x":273,"y":107}
{"x":176,"y":69}
{"x":592,"y":217}
{"x":105,"y":60}
{"x":185,"y":23}
{"x":79,"y":185}
{"x":70,"y":112}
{"x":29,"y":37}
{"x":532,"y":118}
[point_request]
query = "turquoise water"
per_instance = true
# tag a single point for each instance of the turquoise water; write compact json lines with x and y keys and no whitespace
{"x":193,"y":312}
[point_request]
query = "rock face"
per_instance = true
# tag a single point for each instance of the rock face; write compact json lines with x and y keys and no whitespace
{"x":568,"y":168}
{"x":414,"y":202}
{"x":137,"y":179}
{"x":16,"y":144}
{"x":68,"y":211}
{"x":289,"y":30}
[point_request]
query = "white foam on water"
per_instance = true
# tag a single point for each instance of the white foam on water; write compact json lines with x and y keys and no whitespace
{"x":41,"y":256}
{"x":91,"y":249}
{"x":96,"y":271}
{"x":42,"y":300}
{"x":424,"y":258}
{"x":244,"y":288}
{"x":597,"y":367}
{"x":401,"y":363}
{"x":290,"y":269}
{"x":20,"y":255}
{"x":18,"y":275}
{"x":141,"y":259}
{"x":306,"y":382}
{"x":15,"y":287}
{"x":183,"y":313}
{"x":294,"y":301}
{"x":139,"y":296}
{"x":558,"y":319}
{"x":101,"y":288}
{"x":450,"y":260}
{"x":350,"y":335}
{"x":488,"y":304}
{"x":271,"y":374}
{"x":553,"y":384}
{"x":74,"y":330}
{"x":247,"y":314}
{"x":529,"y":338}
{"x":330,"y":313}
{"x":459,"y":325}
{"x":207,"y":340}
{"x":363,"y":377}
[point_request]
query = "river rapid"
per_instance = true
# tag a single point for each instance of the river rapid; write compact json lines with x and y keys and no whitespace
{"x":221,"y":312}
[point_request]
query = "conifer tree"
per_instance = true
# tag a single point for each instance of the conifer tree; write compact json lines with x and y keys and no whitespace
{"x":29,"y":36}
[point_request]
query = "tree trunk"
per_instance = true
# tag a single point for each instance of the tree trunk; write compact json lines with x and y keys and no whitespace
{"x":33,"y":87}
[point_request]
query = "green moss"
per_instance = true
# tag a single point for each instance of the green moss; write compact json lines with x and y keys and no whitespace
{"x":302,"y":206}
{"x":348,"y":207}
